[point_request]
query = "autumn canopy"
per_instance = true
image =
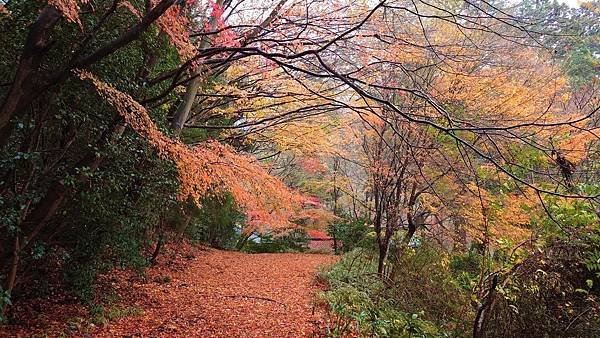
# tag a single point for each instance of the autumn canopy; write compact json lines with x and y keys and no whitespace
{"x":449,"y":149}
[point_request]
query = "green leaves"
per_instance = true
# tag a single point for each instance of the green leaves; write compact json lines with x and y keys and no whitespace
{"x":406,"y":305}
{"x":592,"y":263}
{"x":4,"y":301}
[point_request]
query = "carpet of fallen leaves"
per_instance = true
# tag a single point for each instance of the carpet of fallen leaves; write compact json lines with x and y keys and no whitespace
{"x":202,"y":292}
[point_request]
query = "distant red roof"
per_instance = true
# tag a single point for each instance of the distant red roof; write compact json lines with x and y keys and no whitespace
{"x":314,"y":201}
{"x":317,"y":235}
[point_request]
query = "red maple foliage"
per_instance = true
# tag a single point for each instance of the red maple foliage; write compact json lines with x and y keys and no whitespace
{"x":224,"y":37}
{"x":316,"y":234}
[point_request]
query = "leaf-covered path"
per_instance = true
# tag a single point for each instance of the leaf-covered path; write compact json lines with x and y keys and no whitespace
{"x":226,"y":294}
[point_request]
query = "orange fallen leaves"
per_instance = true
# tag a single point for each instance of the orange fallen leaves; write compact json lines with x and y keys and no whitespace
{"x":192,"y":292}
{"x":227,"y":294}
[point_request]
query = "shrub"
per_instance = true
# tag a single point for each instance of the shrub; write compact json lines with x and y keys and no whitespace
{"x":423,"y":281}
{"x":361,"y":302}
{"x":295,"y":241}
{"x":217,"y":222}
{"x":351,"y":233}
{"x":550,"y":292}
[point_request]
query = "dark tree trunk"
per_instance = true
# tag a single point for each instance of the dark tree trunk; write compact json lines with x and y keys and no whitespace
{"x":159,"y":245}
{"x":30,"y":83}
{"x":383,"y":252}
{"x":243,"y":241}
{"x":45,"y":210}
{"x":12,"y":274}
{"x":484,"y":309}
{"x":27,"y":83}
{"x":50,"y":203}
{"x":412,"y":228}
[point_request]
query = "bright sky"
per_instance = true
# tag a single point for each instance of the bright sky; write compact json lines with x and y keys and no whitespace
{"x":570,"y":3}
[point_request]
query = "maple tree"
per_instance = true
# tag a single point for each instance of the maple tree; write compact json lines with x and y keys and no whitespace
{"x":211,"y":166}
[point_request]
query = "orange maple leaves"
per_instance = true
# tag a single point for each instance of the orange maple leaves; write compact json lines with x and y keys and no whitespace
{"x":69,"y":9}
{"x":3,"y":10}
{"x":211,"y":166}
{"x":174,"y":24}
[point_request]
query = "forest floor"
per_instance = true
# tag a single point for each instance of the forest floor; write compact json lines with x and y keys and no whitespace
{"x":192,"y":291}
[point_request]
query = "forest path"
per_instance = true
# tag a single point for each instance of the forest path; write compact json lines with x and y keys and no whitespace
{"x":225,"y":294}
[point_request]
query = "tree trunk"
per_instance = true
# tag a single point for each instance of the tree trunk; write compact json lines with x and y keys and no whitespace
{"x":483,"y":310}
{"x":335,"y":245}
{"x":44,"y":211}
{"x":159,"y":245}
{"x":180,"y":231}
{"x":240,"y":244}
{"x":50,"y":203}
{"x":27,"y":82}
{"x":412,"y":228}
{"x":183,"y":110}
{"x":12,"y":274}
{"x":383,"y":252}
{"x":336,"y":164}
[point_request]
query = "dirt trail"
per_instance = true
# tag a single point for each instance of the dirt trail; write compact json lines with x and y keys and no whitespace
{"x":226,"y":294}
